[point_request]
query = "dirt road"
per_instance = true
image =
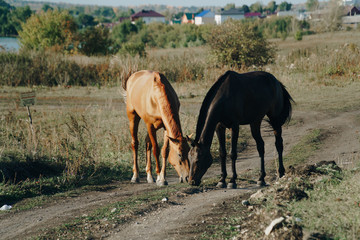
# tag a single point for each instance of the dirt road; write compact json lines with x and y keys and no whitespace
{"x":340,"y":143}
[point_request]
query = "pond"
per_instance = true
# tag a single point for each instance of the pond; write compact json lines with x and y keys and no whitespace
{"x":9,"y":44}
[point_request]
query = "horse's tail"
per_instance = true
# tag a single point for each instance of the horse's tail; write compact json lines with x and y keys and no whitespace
{"x":126,"y":76}
{"x":285,"y":115}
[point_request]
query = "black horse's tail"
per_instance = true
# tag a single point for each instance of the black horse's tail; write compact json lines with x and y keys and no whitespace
{"x":285,"y":115}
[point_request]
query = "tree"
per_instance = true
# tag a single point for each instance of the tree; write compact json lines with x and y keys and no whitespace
{"x":229,"y":6}
{"x":121,"y":32}
{"x":312,"y":5}
{"x":272,"y":6}
{"x":239,"y":45}
{"x":48,"y":29}
{"x":332,"y":20}
{"x":47,"y":7}
{"x":246,"y":8}
{"x":256,"y":7}
{"x":85,"y":20}
{"x":94,"y":41}
{"x":285,"y":6}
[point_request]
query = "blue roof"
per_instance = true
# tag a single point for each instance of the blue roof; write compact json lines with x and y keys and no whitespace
{"x":203,"y":13}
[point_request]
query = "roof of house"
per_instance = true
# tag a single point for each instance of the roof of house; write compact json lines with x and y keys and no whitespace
{"x":190,"y":16}
{"x":253,"y":14}
{"x":233,"y":11}
{"x":203,"y":13}
{"x":353,"y":11}
{"x":146,"y":13}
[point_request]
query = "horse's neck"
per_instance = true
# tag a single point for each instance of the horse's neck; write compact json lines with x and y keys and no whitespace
{"x":208,"y":130}
{"x":170,"y":117}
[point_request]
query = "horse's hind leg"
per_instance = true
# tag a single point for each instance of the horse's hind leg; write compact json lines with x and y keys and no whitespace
{"x":134,"y":120}
{"x":234,"y":140}
{"x":255,"y":131}
{"x":279,"y":148}
{"x":220,"y":132}
{"x":149,"y":178}
{"x":164,"y":156}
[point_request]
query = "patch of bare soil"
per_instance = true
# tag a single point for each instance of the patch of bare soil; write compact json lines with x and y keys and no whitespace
{"x":190,"y":215}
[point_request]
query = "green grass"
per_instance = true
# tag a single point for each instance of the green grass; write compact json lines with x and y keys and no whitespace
{"x":333,"y":207}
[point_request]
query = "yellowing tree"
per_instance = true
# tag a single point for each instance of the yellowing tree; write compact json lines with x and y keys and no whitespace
{"x":51,"y":29}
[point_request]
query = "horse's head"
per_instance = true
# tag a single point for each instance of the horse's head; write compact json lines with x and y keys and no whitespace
{"x":200,"y":160}
{"x":178,"y":157}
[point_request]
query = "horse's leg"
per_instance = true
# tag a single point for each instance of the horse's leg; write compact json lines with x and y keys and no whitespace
{"x":164,"y":156}
{"x":255,"y":131}
{"x":279,"y":148}
{"x":149,"y":178}
{"x":134,"y":120}
{"x":156,"y":152}
{"x":220,"y":132}
{"x":234,"y":140}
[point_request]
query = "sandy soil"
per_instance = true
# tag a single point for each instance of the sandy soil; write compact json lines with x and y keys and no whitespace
{"x":340,"y":143}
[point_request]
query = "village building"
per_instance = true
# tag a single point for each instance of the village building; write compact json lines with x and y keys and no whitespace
{"x":234,"y":13}
{"x":148,"y":16}
{"x":188,"y":18}
{"x":205,"y":17}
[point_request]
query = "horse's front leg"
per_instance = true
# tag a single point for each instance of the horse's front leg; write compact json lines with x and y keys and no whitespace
{"x":234,"y":140}
{"x":255,"y":131}
{"x":220,"y":132}
{"x":164,"y":154}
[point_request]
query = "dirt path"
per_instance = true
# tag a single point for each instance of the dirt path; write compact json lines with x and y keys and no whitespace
{"x":340,"y":143}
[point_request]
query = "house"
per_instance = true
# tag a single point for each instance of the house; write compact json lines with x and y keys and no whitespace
{"x":148,"y":16}
{"x":353,"y":11}
{"x":205,"y":17}
{"x":188,"y":18}
{"x":234,"y":13}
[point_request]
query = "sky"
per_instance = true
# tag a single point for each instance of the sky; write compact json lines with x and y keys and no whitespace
{"x":183,"y":3}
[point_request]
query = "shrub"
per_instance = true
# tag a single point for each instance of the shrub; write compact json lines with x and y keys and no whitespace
{"x":94,"y":41}
{"x":239,"y":45}
{"x":298,"y":35}
{"x":51,"y":29}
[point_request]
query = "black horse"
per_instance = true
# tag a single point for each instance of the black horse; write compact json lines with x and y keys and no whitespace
{"x":239,"y":99}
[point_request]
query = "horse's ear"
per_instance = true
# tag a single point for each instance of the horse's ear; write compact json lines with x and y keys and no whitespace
{"x":191,"y":141}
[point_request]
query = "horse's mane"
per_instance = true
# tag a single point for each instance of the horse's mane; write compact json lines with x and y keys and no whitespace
{"x":169,"y":109}
{"x":206,"y":104}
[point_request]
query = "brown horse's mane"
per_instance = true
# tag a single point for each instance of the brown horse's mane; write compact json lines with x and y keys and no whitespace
{"x":169,"y":108}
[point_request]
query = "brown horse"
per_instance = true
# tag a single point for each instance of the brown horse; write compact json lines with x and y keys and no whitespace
{"x":150,"y":97}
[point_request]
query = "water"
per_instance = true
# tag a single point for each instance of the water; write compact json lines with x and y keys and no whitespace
{"x":9,"y":44}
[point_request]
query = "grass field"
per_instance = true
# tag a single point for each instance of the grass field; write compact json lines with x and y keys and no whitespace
{"x":81,"y":134}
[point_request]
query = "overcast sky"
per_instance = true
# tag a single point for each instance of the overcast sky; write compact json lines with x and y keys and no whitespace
{"x":184,"y":3}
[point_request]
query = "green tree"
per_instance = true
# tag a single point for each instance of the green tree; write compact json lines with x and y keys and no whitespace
{"x":246,"y":8}
{"x":47,"y":7}
{"x":48,"y":29}
{"x":256,"y":7}
{"x":229,"y":6}
{"x":85,"y":20}
{"x":239,"y":45}
{"x":272,"y":6}
{"x":95,"y":41}
{"x":19,"y":16}
{"x":285,"y":6}
{"x":122,"y":31}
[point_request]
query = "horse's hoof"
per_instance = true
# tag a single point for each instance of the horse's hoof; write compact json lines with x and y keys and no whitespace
{"x":162,"y":183}
{"x":221,"y":185}
{"x":150,"y":180}
{"x":261,"y":183}
{"x":232,"y":185}
{"x":135,"y":180}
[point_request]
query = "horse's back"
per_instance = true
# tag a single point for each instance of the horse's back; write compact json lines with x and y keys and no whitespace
{"x":145,"y":89}
{"x":250,"y":96}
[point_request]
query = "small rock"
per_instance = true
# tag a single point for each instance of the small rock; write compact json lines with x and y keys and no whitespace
{"x":259,"y":194}
{"x":113,"y":210}
{"x":165,"y":199}
{"x":275,"y":223}
{"x":5,"y":207}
